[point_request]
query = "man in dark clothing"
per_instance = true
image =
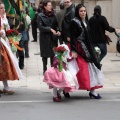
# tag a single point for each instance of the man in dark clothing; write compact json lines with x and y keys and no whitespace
{"x":34,"y":25}
{"x":21,"y":29}
{"x":40,"y":7}
{"x":60,"y":16}
{"x":99,"y":25}
{"x":69,"y":15}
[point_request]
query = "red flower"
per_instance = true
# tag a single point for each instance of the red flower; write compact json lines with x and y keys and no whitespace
{"x":12,"y":32}
{"x":60,"y":49}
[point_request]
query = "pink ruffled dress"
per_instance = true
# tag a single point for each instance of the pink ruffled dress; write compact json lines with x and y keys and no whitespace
{"x":60,"y":79}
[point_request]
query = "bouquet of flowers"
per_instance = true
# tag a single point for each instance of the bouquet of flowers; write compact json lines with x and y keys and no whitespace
{"x":14,"y":37}
{"x":59,"y":51}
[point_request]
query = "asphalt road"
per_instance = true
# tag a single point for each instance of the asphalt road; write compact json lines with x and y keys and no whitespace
{"x":35,"y":105}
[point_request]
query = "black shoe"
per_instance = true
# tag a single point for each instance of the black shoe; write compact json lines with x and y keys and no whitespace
{"x":93,"y":96}
{"x":33,"y":41}
{"x":1,"y":92}
{"x":21,"y":67}
{"x":27,"y":56}
{"x":66,"y":95}
{"x":44,"y":72}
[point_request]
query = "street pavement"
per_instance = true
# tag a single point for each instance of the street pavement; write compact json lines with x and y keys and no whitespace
{"x":33,"y":100}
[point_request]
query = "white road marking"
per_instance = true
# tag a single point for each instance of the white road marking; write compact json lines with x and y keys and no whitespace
{"x":40,"y":101}
{"x":111,"y":100}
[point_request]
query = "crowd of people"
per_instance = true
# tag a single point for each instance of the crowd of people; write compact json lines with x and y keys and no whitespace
{"x":75,"y":64}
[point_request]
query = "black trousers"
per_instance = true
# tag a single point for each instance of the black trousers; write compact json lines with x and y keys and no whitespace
{"x":26,"y":45}
{"x":44,"y":59}
{"x":20,"y":54}
{"x":60,"y":38}
{"x":34,"y":30}
{"x":26,"y":48}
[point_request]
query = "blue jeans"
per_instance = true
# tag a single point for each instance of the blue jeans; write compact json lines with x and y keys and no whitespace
{"x":103,"y":48}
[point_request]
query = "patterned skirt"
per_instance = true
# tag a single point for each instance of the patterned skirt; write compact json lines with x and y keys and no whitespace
{"x":7,"y":68}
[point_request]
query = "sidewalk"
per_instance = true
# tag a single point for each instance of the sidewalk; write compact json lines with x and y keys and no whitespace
{"x":33,"y":72}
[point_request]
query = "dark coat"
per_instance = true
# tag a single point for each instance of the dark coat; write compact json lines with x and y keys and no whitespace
{"x":98,"y":27}
{"x":75,"y":32}
{"x":47,"y":40}
{"x":60,"y":16}
{"x":69,"y":15}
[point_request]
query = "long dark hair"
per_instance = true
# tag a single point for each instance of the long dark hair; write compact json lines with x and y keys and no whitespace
{"x":77,"y":11}
{"x":97,"y":11}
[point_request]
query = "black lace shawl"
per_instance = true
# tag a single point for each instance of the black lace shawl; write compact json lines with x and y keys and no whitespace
{"x":76,"y":29}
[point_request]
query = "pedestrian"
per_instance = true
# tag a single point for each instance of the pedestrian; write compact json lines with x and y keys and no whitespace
{"x":60,"y":16}
{"x":99,"y":25}
{"x":9,"y":69}
{"x":49,"y":32}
{"x":89,"y":76}
{"x":40,"y":6}
{"x":69,"y":15}
{"x":34,"y":24}
{"x":27,"y":25}
{"x":62,"y":78}
{"x":20,"y":26}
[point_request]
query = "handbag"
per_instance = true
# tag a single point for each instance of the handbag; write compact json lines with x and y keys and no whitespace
{"x":108,"y":40}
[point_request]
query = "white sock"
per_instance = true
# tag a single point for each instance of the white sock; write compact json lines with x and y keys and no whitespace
{"x":54,"y":92}
{"x":94,"y":93}
{"x":5,"y":83}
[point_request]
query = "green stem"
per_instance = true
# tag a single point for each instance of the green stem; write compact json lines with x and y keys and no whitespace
{"x":60,"y":65}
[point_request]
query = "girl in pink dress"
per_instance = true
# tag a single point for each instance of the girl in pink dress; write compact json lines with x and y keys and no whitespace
{"x":62,"y":80}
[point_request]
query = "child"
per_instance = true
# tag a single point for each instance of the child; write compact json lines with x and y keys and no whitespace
{"x":65,"y":78}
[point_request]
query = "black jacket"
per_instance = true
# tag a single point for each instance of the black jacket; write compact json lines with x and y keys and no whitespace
{"x":98,"y":27}
{"x":47,"y":40}
{"x":69,"y":15}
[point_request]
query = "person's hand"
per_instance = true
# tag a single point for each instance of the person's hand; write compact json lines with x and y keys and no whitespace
{"x":117,"y":30}
{"x":74,"y":54}
{"x":53,"y":31}
{"x":58,"y":33}
{"x":68,"y":39}
{"x":1,"y":33}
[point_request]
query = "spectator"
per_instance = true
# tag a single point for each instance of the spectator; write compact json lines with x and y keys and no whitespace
{"x":69,"y":15}
{"x":60,"y":16}
{"x":34,"y":24}
{"x":49,"y":32}
{"x":99,"y":25}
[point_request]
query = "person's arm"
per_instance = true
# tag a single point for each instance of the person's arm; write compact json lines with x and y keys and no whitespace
{"x":71,"y":16}
{"x":70,"y":59}
{"x":41,"y":27}
{"x":73,"y":34}
{"x":57,"y":26}
{"x":106,"y":25}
